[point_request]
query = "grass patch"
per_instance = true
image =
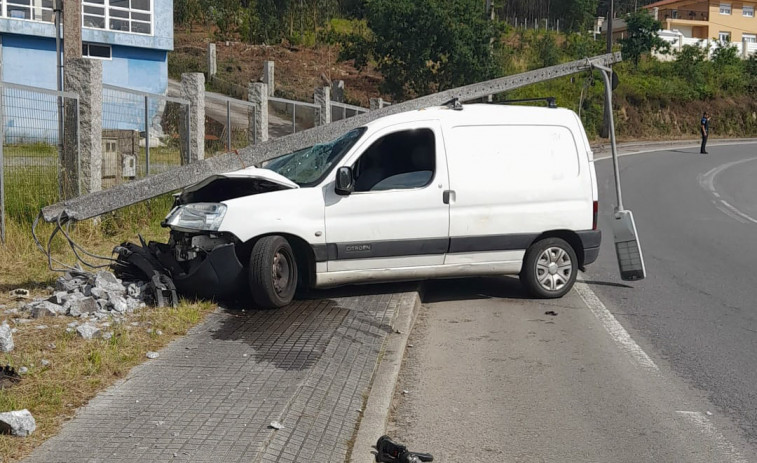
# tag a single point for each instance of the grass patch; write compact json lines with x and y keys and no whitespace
{"x":78,"y":369}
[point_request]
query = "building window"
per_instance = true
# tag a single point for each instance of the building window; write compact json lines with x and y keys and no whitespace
{"x":133,"y":16}
{"x":725,"y":8}
{"x":674,"y":14}
{"x":749,"y":38}
{"x":96,"y":51}
{"x":748,"y":11}
{"x":724,"y":36}
{"x":32,"y":10}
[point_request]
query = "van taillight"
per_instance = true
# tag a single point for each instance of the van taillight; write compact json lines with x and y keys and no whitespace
{"x":594,"y":218}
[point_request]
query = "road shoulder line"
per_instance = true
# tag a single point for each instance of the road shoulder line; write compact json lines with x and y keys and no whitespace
{"x":614,"y":328}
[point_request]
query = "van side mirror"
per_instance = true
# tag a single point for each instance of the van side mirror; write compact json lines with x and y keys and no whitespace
{"x":345,"y":182}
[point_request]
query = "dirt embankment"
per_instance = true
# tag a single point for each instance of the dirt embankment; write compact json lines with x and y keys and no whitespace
{"x":670,"y":119}
{"x":299,"y":70}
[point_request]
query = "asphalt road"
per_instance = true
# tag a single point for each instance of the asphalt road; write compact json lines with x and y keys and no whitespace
{"x":697,"y":221}
{"x":492,"y":377}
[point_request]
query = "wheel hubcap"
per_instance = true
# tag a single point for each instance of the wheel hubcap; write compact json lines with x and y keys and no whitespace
{"x":554,"y":269}
{"x":281,"y":272}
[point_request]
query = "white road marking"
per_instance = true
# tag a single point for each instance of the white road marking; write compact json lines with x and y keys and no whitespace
{"x":710,"y":431}
{"x":737,"y":212}
{"x":613,"y":327}
{"x":707,"y":181}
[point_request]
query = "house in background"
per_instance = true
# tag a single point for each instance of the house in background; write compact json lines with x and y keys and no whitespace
{"x":726,"y":21}
{"x":131,"y":37}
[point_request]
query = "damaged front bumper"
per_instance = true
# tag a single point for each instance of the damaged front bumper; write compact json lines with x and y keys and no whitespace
{"x":219,"y":275}
{"x":200,"y":266}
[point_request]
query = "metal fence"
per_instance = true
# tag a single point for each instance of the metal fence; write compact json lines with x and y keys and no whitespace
{"x":341,"y":111}
{"x":286,"y":117}
{"x":31,"y":174}
{"x":141,"y":133}
{"x":230,"y":123}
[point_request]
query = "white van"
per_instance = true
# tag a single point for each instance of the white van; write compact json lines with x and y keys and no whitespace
{"x":435,"y":193}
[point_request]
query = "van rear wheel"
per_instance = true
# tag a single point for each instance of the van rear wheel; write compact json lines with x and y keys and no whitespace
{"x":549,"y":268}
{"x":272,"y":272}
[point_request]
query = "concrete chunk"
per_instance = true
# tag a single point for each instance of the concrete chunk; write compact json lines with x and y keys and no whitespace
{"x":46,"y":309}
{"x":19,"y":423}
{"x":119,"y":304}
{"x":88,"y":331}
{"x":83,"y":305}
{"x":109,"y":283}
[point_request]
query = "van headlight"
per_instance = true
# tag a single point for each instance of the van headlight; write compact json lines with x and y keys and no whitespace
{"x":197,"y":216}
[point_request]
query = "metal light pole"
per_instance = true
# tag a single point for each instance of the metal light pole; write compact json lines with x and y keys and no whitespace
{"x":627,"y":247}
{"x":608,"y":107}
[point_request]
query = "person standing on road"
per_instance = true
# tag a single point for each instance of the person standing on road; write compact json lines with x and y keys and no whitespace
{"x":705,"y":131}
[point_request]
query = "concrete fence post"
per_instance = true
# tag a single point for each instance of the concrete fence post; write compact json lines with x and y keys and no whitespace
{"x":193,"y":137}
{"x":322,"y":98}
{"x":376,"y":103}
{"x":258,"y":95}
{"x":269,"y":77}
{"x":2,"y":172}
{"x":212,"y":61}
{"x":744,"y":48}
{"x":82,"y":150}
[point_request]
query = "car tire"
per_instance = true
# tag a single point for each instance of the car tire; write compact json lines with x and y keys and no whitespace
{"x":549,"y":268}
{"x":272,"y":272}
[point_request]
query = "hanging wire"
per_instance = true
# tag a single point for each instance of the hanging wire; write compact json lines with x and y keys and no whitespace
{"x":587,"y":82}
{"x":60,"y":221}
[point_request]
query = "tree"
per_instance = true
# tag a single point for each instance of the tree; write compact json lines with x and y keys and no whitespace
{"x":642,"y":36}
{"x":576,"y":15}
{"x":422,"y":46}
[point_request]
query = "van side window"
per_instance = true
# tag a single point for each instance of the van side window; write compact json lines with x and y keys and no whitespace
{"x":401,"y":160}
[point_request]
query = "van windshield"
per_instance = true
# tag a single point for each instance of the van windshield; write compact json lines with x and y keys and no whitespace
{"x":307,"y":167}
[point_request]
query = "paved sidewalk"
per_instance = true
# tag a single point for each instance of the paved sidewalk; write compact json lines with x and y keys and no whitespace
{"x":212,"y":394}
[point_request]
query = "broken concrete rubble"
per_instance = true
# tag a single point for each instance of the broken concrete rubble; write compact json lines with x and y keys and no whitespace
{"x":88,"y":331}
{"x":93,"y":296}
{"x":18,"y":423}
{"x":45,"y":309}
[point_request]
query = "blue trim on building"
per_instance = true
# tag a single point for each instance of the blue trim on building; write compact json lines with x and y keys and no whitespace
{"x":161,"y":38}
{"x":31,"y":61}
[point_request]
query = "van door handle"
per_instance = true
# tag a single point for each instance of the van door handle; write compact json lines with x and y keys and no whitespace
{"x":446,"y":196}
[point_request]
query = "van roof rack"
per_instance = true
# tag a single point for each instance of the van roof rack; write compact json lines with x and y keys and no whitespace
{"x":551,"y":101}
{"x":454,"y":103}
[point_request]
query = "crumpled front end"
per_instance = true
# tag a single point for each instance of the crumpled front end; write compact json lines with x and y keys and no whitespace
{"x":205,"y":266}
{"x":201,"y":266}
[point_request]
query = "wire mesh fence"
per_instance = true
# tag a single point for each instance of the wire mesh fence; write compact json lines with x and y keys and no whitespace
{"x":286,"y":117}
{"x":341,"y":111}
{"x":229,"y":124}
{"x":141,"y":134}
{"x":31,"y":174}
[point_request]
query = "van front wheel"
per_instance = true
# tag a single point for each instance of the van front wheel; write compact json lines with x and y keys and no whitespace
{"x":272,"y":272}
{"x":549,"y":268}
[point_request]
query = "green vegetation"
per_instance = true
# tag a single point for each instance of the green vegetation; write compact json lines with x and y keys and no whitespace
{"x":642,"y":36}
{"x":425,"y":46}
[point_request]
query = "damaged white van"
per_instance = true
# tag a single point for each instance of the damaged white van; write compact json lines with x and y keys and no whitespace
{"x":436,"y":193}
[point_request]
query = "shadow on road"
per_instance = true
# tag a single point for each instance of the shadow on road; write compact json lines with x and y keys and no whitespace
{"x":473,"y":288}
{"x":607,"y":283}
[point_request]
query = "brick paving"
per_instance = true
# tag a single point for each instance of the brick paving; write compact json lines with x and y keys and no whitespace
{"x":212,"y":394}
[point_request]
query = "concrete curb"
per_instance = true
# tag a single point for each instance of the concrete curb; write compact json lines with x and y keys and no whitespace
{"x":602,"y":150}
{"x":373,"y":423}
